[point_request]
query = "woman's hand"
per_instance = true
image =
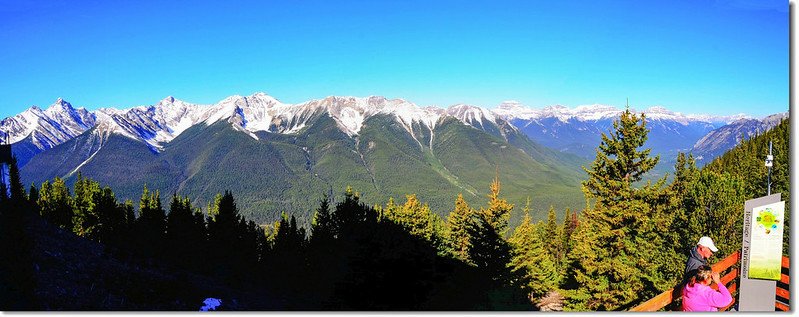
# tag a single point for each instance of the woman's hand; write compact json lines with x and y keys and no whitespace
{"x":715,"y":277}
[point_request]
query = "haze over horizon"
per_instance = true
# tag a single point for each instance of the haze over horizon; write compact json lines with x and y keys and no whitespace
{"x":716,"y":57}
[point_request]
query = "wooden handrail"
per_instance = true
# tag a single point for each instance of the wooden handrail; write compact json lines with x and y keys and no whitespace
{"x":786,"y":262}
{"x":667,"y":297}
{"x":727,"y":262}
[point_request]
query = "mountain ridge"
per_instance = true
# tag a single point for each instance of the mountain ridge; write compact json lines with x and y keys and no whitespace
{"x":160,"y":123}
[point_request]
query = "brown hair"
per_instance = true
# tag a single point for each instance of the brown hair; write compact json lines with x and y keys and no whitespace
{"x":703,"y":273}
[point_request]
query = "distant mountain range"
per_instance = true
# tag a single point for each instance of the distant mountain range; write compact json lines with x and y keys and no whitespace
{"x":578,"y":131}
{"x":278,"y":156}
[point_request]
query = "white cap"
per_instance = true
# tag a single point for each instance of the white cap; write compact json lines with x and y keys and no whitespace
{"x":707,"y":242}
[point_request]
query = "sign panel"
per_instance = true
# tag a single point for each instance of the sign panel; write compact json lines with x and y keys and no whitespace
{"x":765,"y":250}
{"x":754,"y":294}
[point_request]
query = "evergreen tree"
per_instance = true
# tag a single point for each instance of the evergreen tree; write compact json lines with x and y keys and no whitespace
{"x":33,"y":195}
{"x":458,"y":221}
{"x":498,"y":212}
{"x":55,"y":203}
{"x":125,"y":235}
{"x":227,"y":227}
{"x":16,"y":189}
{"x":351,"y":213}
{"x":618,"y":254}
{"x":85,"y":216}
{"x":489,"y":250}
{"x":110,"y":218}
{"x":567,"y":228}
{"x":414,"y":216}
{"x":322,"y":225}
{"x":151,"y":224}
{"x":717,"y":211}
{"x":17,"y":276}
{"x":531,"y":260}
{"x":184,"y":236}
{"x":128,"y":211}
{"x":552,"y":237}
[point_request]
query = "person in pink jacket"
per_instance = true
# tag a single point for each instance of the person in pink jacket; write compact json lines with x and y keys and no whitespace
{"x":698,"y":296}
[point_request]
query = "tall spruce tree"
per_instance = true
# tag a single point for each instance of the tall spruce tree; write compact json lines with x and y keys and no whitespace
{"x":489,"y":250}
{"x":183,"y":235}
{"x":151,"y":224}
{"x":17,"y":277}
{"x":552,"y":237}
{"x":33,"y":194}
{"x":110,"y":218}
{"x":55,"y":203}
{"x":16,"y":189}
{"x":322,"y":225}
{"x":617,"y":255}
{"x":531,"y":260}
{"x":414,"y":216}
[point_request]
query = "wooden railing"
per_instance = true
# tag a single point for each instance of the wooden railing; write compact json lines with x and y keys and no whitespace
{"x":783,"y":295}
{"x":728,"y":267}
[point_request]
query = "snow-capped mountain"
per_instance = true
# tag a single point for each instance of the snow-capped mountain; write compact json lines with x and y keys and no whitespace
{"x":578,"y":130}
{"x":570,"y":130}
{"x":158,"y":124}
{"x":36,"y":130}
{"x":290,"y":151}
{"x":47,"y":128}
{"x":722,"y":139}
{"x":515,"y":110}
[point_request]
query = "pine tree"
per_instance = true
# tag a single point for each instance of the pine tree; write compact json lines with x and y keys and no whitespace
{"x":531,"y":260}
{"x":414,"y":216}
{"x":617,"y":254}
{"x":498,"y":212}
{"x":322,"y":225}
{"x":567,"y":228}
{"x":552,"y":237}
{"x":489,"y":250}
{"x":55,"y":203}
{"x":351,"y":214}
{"x":33,"y":194}
{"x":181,"y":232}
{"x":151,"y":224}
{"x":227,"y":227}
{"x":717,"y":212}
{"x":85,"y":216}
{"x":110,"y":218}
{"x":124,"y":236}
{"x":17,"y":276}
{"x":458,"y":221}
{"x":16,"y":189}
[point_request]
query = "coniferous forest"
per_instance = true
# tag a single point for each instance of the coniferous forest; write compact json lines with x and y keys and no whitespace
{"x":81,"y":248}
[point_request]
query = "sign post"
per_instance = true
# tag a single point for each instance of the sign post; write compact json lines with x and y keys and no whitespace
{"x":762,"y":238}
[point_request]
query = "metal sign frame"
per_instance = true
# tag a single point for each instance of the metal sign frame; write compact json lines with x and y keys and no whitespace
{"x":754,"y":294}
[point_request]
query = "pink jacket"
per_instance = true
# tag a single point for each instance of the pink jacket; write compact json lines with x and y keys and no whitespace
{"x":703,"y":298}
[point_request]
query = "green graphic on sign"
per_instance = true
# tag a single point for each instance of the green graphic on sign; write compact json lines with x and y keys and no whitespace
{"x":767,"y":221}
{"x":766,"y":247}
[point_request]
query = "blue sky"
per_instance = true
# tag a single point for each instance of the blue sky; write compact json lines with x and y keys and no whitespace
{"x":699,"y":56}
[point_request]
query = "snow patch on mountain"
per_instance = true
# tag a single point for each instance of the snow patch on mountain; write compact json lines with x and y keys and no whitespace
{"x":47,"y":128}
{"x":472,"y":115}
{"x":515,"y":110}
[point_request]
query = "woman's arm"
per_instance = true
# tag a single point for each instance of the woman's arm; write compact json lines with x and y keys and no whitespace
{"x":722,"y":297}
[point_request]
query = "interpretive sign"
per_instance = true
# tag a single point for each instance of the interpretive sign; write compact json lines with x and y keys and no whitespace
{"x":765,"y":254}
{"x":757,"y":294}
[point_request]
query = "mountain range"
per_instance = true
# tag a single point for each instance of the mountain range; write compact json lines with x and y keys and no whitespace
{"x":283,"y":157}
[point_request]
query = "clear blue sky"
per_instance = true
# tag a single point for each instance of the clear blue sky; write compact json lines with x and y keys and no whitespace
{"x":697,"y":56}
